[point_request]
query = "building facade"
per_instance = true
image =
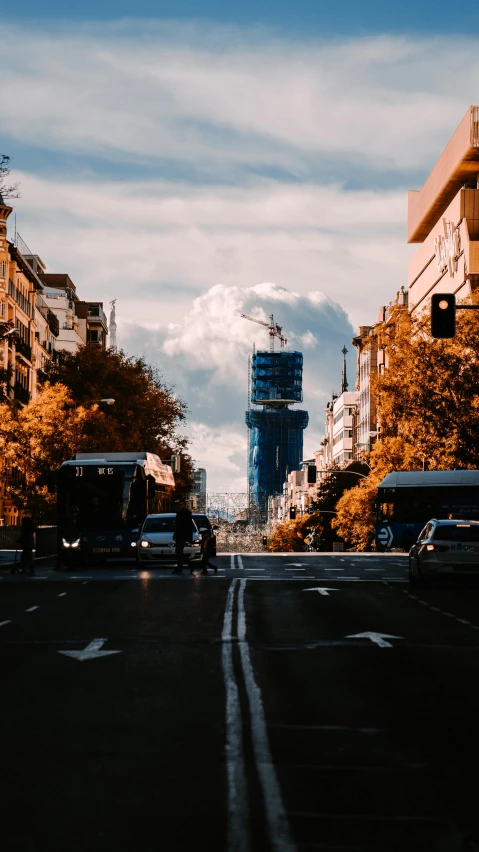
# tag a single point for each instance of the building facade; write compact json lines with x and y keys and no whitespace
{"x":444,"y":218}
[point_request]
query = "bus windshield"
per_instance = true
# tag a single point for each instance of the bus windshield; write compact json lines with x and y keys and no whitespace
{"x":102,"y":501}
{"x":410,"y":504}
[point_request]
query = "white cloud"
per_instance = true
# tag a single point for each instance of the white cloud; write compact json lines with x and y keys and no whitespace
{"x":220,"y":96}
{"x":206,"y":359}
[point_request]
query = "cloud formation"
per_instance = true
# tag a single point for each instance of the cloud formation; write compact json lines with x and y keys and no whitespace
{"x":206,"y":358}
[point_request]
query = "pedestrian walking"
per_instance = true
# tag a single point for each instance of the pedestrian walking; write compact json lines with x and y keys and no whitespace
{"x":27,"y":543}
{"x":184,"y":529}
{"x":207,"y":550}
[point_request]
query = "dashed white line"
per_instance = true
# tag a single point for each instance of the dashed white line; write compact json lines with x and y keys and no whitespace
{"x":62,"y":594}
{"x":32,"y":609}
{"x":2,"y":623}
{"x":463,"y":620}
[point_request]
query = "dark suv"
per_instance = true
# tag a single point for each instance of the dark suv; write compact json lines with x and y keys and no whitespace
{"x":204,"y":523}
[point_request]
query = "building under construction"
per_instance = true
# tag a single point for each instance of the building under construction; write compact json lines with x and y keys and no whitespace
{"x":275,"y":443}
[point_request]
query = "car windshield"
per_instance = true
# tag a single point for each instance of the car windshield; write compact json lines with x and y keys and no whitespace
{"x":159,"y":525}
{"x":202,"y":521}
{"x":457,"y":532}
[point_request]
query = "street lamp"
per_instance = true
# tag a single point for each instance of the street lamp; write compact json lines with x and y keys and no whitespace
{"x":10,"y":331}
{"x":107,"y":401}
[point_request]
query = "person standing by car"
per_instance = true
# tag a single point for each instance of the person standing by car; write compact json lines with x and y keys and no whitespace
{"x":207,"y":550}
{"x":184,"y":529}
{"x":27,"y":543}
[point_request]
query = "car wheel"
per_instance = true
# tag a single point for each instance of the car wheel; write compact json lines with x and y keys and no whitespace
{"x":415,"y":577}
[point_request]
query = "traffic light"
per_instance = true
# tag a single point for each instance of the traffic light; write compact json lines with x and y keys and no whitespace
{"x":265,"y":540}
{"x":292,"y":513}
{"x":311,"y":474}
{"x":443,"y":315}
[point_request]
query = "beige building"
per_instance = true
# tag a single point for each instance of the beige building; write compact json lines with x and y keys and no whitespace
{"x":443,"y":217}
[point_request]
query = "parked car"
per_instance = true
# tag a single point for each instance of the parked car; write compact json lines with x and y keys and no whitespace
{"x":203,"y":523}
{"x":156,"y":543}
{"x":444,"y":549}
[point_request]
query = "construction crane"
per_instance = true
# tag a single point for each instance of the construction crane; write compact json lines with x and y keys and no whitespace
{"x":274,"y":330}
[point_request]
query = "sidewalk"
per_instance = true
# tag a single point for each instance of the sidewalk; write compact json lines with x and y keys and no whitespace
{"x":7,"y":558}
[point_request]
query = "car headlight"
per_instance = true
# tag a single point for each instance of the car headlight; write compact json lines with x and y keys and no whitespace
{"x":75,"y":543}
{"x":145,"y":543}
{"x":133,"y":543}
{"x":65,"y":543}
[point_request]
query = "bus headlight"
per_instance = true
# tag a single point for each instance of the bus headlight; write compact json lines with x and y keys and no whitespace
{"x":145,"y":543}
{"x":75,"y":543}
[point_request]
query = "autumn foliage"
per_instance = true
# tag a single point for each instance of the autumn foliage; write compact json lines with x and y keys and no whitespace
{"x":428,"y":401}
{"x":68,"y":417}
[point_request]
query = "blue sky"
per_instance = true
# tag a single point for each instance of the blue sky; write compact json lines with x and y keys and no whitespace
{"x":323,"y":18}
{"x":198,"y":161}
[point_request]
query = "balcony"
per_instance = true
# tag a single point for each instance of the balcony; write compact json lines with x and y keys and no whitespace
{"x":19,"y":298}
{"x":24,"y":349}
{"x":21,"y":394}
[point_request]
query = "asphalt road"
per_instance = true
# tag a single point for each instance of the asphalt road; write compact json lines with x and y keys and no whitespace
{"x":290,"y":702}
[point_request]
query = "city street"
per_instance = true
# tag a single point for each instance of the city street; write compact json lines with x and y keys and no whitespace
{"x":290,"y":702}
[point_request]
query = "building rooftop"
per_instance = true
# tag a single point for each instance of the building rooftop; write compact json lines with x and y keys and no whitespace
{"x":457,"y":165}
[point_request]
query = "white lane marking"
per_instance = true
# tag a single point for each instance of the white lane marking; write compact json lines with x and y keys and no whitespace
{"x":32,"y":609}
{"x":81,"y":578}
{"x":341,"y":569}
{"x":463,"y":621}
{"x":280,"y":836}
{"x":84,"y":582}
{"x":237,"y":804}
{"x":321,"y":590}
{"x":62,"y":594}
{"x":373,"y":569}
{"x":295,"y":564}
{"x":377,"y":638}
{"x":91,"y":652}
{"x":232,"y":562}
{"x":255,"y":569}
{"x":2,"y":623}
{"x":295,"y":569}
{"x":240,"y":562}
{"x":435,"y":609}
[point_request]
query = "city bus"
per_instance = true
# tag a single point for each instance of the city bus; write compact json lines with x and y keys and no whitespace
{"x":408,"y":499}
{"x":102,"y":500}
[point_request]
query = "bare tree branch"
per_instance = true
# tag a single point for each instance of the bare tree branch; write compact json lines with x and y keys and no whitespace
{"x":7,"y":190}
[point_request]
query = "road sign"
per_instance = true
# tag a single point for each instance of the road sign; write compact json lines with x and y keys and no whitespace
{"x":91,"y":652}
{"x":385,"y":536}
{"x":376,"y":638}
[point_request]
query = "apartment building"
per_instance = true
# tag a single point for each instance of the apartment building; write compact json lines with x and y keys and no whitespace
{"x":443,"y":217}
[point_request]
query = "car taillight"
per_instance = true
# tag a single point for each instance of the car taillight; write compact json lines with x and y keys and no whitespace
{"x":439,"y":548}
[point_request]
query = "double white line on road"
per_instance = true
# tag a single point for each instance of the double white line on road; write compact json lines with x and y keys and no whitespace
{"x":239,"y":837}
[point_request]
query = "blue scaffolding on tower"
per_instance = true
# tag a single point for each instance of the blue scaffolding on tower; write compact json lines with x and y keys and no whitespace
{"x":276,"y":431}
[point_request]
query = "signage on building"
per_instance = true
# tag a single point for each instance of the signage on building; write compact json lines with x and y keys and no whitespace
{"x":447,"y":248}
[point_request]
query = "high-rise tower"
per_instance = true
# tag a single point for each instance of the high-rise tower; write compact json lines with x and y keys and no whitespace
{"x":276,"y":438}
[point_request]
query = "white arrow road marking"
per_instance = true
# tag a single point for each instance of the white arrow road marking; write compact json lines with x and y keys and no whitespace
{"x":91,"y":652}
{"x":377,"y":638}
{"x":321,"y":591}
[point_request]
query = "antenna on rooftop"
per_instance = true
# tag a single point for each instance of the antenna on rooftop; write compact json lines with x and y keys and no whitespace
{"x":113,"y":326}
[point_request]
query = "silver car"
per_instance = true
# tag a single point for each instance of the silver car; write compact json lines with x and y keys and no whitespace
{"x":156,"y":543}
{"x":444,"y":549}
